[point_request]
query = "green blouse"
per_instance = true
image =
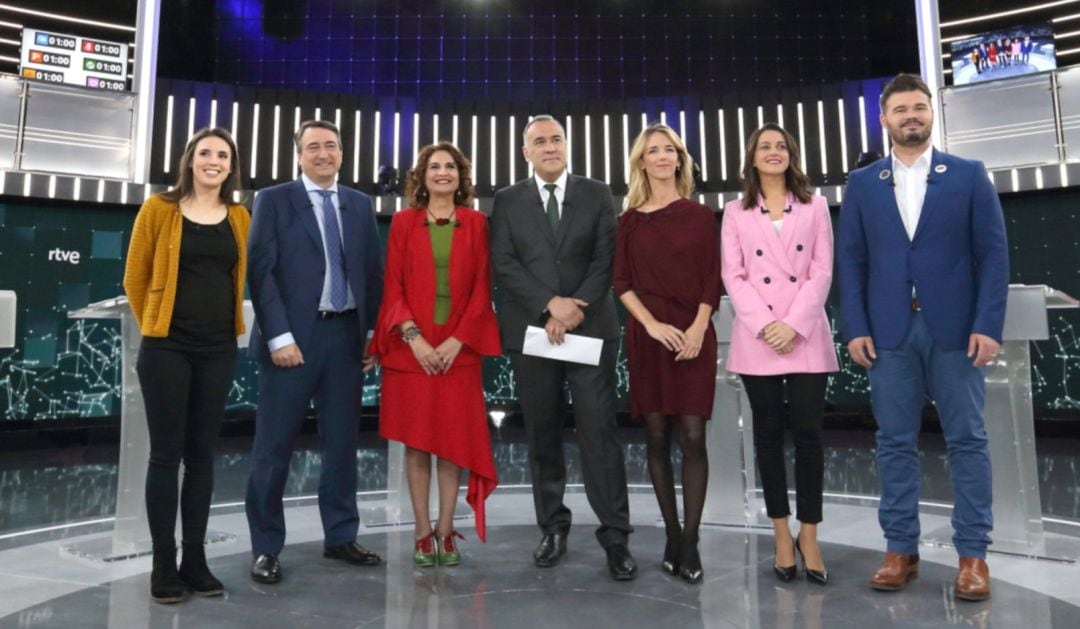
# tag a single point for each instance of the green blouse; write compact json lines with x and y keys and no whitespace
{"x":441,"y":238}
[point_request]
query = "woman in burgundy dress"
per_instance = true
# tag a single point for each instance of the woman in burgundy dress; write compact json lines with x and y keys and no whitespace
{"x":435,"y":325}
{"x":667,"y":274}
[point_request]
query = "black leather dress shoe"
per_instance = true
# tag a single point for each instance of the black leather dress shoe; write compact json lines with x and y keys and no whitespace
{"x":550,"y":550}
{"x":266,"y":569}
{"x":620,"y":562}
{"x":352,"y":553}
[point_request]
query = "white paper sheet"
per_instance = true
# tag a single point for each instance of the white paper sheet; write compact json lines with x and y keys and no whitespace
{"x":575,"y":349}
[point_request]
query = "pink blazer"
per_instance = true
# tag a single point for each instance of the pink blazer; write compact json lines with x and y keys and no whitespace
{"x":783,"y":277}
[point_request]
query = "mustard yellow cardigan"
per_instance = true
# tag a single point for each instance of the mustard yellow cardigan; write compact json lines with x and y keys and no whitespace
{"x":153,"y":262}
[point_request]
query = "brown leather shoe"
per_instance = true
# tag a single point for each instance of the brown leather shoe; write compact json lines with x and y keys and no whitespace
{"x":895,"y":572}
{"x":973,"y":580}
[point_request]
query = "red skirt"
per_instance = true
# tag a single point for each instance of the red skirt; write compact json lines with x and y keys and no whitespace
{"x":445,"y":415}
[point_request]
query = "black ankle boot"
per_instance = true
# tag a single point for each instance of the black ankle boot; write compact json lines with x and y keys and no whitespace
{"x":196,"y":574}
{"x":165,"y":584}
{"x":690,"y":569}
{"x":672,"y":554}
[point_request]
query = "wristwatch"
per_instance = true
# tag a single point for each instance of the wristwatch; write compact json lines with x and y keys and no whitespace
{"x":410,"y":334}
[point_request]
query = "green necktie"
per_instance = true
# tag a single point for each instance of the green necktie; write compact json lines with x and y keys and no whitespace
{"x":552,"y":207}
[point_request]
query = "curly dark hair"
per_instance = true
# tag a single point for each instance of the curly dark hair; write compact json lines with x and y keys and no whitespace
{"x":416,"y":192}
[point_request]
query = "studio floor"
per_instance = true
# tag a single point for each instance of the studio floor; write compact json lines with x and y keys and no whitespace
{"x":48,"y":505}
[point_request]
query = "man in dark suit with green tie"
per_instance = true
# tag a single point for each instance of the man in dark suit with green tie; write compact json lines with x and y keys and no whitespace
{"x":552,"y":248}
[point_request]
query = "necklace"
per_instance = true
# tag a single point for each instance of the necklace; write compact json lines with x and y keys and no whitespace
{"x":442,"y":221}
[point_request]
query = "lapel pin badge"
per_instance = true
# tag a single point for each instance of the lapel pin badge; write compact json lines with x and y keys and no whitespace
{"x":885,"y":174}
{"x":940,"y":168}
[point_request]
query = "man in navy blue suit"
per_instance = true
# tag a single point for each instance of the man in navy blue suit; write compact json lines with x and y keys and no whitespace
{"x":924,"y":270}
{"x":315,"y":276}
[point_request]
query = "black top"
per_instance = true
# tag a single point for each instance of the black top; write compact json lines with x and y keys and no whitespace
{"x":204,"y":312}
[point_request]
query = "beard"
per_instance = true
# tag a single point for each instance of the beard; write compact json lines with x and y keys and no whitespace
{"x":915,"y":137}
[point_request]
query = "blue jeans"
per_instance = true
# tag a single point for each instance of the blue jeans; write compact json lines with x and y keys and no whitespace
{"x":900,"y":381}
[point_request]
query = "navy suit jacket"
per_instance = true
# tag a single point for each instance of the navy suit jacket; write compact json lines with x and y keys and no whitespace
{"x":957,"y":262}
{"x":287,"y":263}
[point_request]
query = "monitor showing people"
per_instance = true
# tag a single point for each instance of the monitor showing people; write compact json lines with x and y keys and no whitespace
{"x":1003,"y":53}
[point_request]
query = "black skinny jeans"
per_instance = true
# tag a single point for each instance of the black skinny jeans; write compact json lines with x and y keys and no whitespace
{"x":185,"y":393}
{"x":805,"y":408}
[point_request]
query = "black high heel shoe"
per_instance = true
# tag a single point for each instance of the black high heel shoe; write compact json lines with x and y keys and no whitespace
{"x":784,"y":573}
{"x":672,"y":551}
{"x":691,"y":571}
{"x":821,"y":577}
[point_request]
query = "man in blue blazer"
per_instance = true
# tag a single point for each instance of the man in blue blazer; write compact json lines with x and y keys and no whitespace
{"x":924,"y":271}
{"x":315,"y":276}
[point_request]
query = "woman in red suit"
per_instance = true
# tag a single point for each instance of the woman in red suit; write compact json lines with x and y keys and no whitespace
{"x":670,"y":341}
{"x":777,"y":255}
{"x":435,"y":324}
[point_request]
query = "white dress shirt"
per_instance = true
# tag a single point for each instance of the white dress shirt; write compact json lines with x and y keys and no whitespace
{"x":560,"y":190}
{"x":909,"y":185}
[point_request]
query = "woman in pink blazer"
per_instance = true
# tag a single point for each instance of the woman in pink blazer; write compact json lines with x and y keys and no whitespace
{"x":776,"y":262}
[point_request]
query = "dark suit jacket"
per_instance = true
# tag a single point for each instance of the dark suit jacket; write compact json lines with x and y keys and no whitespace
{"x":287,"y":263}
{"x":958,"y":260}
{"x":532,"y":264}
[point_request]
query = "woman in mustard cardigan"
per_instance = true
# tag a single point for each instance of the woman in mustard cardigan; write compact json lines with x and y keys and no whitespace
{"x":184,"y":280}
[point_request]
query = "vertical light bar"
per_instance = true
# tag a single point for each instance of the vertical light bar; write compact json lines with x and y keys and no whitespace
{"x":510,"y":138}
{"x":318,"y":113}
{"x":626,"y":147}
{"x":356,"y":147}
{"x":296,"y":154}
{"x":397,"y":204}
{"x":375,"y":146}
{"x":862,"y":125}
{"x":491,"y":146}
{"x":415,"y":135}
{"x":435,"y":129}
{"x":274,"y":157}
{"x":1038,"y":179}
{"x":213,"y":112}
{"x":337,"y":117}
{"x":123,"y":186}
{"x":397,"y":140}
{"x":588,"y":147}
{"x":780,"y":115}
{"x":254,"y":137}
{"x":821,"y":136}
{"x":78,"y":188}
{"x":723,"y":145}
{"x":190,"y":118}
{"x":682,"y":124}
{"x":1015,"y":179}
{"x":645,"y":120}
{"x":607,"y":149}
{"x":168,"y":132}
{"x":454,"y":125}
{"x":742,"y":140}
{"x":1064,"y":172}
{"x":472,"y":158}
{"x":701,"y":143}
{"x":100,"y":188}
{"x":29,"y":177}
{"x":760,"y":116}
{"x":123,"y":190}
{"x":802,"y":136}
{"x":843,"y":136}
{"x":144,"y":83}
{"x":885,"y":144}
{"x":235,"y":116}
{"x":569,"y":143}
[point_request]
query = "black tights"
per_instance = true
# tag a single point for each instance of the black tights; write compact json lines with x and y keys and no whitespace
{"x":695,"y":470}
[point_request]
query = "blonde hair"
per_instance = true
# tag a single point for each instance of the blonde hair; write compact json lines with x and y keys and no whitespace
{"x":639,"y":190}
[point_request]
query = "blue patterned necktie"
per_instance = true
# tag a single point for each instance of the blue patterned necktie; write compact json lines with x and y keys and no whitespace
{"x":339,"y":290}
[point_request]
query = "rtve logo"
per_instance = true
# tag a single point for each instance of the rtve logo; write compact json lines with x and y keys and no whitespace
{"x":59,"y":255}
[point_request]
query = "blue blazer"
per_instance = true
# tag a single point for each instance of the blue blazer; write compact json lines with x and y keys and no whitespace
{"x":287,"y":263}
{"x":957,"y":262}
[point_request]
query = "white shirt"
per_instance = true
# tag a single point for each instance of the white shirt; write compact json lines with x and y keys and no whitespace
{"x":909,"y":185}
{"x":560,"y":190}
{"x":777,"y":225}
{"x":313,"y":189}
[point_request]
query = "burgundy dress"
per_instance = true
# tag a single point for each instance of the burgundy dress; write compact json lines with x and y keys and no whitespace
{"x":670,"y":258}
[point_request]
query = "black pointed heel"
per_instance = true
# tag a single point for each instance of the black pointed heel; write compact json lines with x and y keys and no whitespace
{"x":821,"y":577}
{"x":691,"y":570}
{"x":672,"y":551}
{"x":784,"y":573}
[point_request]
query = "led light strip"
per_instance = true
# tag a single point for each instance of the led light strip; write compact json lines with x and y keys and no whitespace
{"x":991,"y":16}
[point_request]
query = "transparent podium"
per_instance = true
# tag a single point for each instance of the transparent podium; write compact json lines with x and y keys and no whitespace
{"x":731,"y":496}
{"x":1018,"y":526}
{"x":130,"y":536}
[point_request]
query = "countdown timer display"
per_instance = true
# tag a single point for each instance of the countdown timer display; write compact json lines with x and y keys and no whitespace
{"x":74,"y":60}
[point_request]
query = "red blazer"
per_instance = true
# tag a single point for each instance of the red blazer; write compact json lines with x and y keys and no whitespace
{"x":409,"y":291}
